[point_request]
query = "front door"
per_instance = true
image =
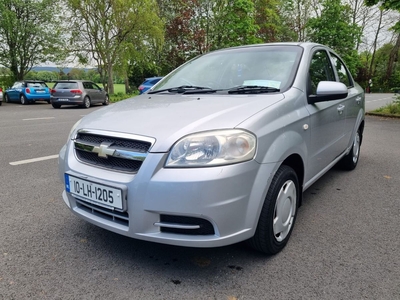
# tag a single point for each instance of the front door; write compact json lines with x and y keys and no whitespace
{"x":327,"y":119}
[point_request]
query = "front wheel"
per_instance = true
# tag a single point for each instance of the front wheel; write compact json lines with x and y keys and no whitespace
{"x":106,"y":100}
{"x":278,"y":213}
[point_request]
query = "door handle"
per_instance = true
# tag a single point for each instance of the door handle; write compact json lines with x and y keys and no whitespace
{"x":340,"y":109}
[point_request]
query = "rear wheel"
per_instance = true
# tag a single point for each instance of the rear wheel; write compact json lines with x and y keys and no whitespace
{"x":6,"y":98}
{"x":23,"y":100}
{"x":86,"y":102}
{"x":349,"y":162}
{"x":56,"y":105}
{"x":278,"y":214}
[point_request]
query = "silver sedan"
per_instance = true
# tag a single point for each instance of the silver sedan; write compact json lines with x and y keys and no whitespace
{"x":220,"y":150}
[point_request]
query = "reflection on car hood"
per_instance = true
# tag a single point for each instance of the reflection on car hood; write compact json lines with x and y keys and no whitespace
{"x":167,"y":118}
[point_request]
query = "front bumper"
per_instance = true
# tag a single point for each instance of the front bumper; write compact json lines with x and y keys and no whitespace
{"x":228,"y":199}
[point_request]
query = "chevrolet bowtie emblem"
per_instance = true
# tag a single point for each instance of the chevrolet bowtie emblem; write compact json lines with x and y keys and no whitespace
{"x":103,"y":150}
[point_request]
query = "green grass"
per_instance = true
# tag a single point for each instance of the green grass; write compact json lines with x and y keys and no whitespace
{"x":390,"y":109}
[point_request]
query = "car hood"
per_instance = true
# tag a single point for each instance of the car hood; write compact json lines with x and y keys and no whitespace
{"x":167,"y":118}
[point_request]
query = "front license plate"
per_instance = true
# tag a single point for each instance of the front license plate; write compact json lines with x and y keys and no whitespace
{"x":93,"y":192}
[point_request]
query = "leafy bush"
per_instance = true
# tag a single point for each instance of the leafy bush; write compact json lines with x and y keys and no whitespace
{"x":392,"y":108}
{"x":121,"y":96}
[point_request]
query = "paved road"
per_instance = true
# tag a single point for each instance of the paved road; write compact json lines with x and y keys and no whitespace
{"x":374,"y":101}
{"x":345,"y":244}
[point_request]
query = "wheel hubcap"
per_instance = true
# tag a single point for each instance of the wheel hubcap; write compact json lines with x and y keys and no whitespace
{"x":356,"y":147}
{"x":285,"y":210}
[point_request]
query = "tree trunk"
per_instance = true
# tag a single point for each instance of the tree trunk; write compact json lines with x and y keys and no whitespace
{"x":392,"y":59}
{"x":110,"y":82}
{"x":371,"y":66}
{"x":127,"y":87}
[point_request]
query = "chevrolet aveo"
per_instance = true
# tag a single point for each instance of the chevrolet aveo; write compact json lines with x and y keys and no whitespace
{"x":220,"y":150}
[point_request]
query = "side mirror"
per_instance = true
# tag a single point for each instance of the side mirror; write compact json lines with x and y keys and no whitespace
{"x":327,"y":91}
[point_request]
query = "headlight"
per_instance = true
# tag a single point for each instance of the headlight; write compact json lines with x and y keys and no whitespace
{"x":72,"y":131}
{"x":212,"y":148}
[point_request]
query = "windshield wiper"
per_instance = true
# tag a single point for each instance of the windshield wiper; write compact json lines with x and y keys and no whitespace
{"x":252,"y":89}
{"x":182,"y":89}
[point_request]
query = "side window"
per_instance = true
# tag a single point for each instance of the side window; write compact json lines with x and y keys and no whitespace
{"x":95,"y":86}
{"x":320,"y":70}
{"x":343,"y":73}
{"x":87,"y":85}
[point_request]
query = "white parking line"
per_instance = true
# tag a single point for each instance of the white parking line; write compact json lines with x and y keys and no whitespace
{"x":33,"y":119}
{"x":28,"y":161}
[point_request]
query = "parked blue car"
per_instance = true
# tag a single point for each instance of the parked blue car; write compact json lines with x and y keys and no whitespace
{"x":28,"y":91}
{"x":148,"y":83}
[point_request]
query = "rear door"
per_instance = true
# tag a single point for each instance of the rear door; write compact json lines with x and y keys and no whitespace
{"x":354,"y":100}
{"x":100,"y":94}
{"x":92,"y":92}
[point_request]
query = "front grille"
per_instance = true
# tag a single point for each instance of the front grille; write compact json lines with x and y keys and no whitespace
{"x":121,"y":218}
{"x":113,"y":163}
{"x":124,"y":154}
{"x":138,"y":146}
{"x":205,"y":226}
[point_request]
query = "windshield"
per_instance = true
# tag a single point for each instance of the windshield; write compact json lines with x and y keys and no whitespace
{"x":264,"y":66}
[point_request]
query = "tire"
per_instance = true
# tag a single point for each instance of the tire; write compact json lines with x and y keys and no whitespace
{"x":56,"y":105}
{"x":106,"y":100}
{"x":86,"y":102}
{"x":350,"y":161}
{"x":23,"y":100}
{"x":6,"y":98}
{"x":1,"y":102}
{"x":48,"y":102}
{"x":278,"y":213}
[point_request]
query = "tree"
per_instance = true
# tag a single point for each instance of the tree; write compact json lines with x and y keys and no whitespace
{"x":271,"y":27}
{"x":334,"y":28}
{"x":296,"y":14}
{"x":234,"y":24}
{"x":386,"y":4}
{"x":105,"y":29}
{"x":29,"y":34}
{"x":187,"y":30}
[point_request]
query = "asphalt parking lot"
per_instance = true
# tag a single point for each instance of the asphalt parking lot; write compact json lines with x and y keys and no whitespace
{"x":345,"y":244}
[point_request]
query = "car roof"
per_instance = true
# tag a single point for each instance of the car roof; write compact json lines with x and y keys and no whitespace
{"x":73,"y":80}
{"x":305,"y":45}
{"x":151,"y":78}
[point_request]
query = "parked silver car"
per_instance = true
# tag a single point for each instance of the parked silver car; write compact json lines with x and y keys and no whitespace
{"x":220,"y":151}
{"x":77,"y":92}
